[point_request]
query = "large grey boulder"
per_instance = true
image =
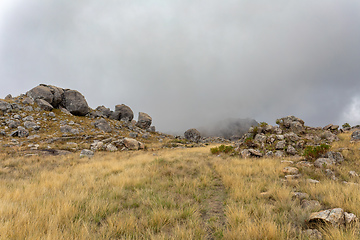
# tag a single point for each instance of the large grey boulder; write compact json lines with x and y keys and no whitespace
{"x":75,"y":103}
{"x":144,"y":121}
{"x":125,"y":113}
{"x":41,"y":92}
{"x":192,"y":135}
{"x":132,"y":144}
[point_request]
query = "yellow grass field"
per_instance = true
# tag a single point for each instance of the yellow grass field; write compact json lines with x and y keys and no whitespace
{"x":168,"y":194}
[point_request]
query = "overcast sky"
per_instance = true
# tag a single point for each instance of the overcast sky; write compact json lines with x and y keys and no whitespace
{"x":188,"y":63}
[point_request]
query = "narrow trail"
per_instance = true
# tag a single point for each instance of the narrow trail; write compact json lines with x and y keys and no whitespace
{"x":213,"y":212}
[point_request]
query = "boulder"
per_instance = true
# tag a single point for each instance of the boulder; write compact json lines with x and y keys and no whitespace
{"x":44,"y":105}
{"x":8,"y":97}
{"x":20,"y":132}
{"x":329,"y":136}
{"x":337,"y":157}
{"x":144,"y":121}
{"x":126,"y":114}
{"x":31,"y":125}
{"x":192,"y":135}
{"x":255,"y":153}
{"x":86,"y":153}
{"x":291,"y":150}
{"x":5,"y":106}
{"x":336,"y":217}
{"x":355,"y":136}
{"x":131,"y":144}
{"x":58,"y":94}
{"x":41,"y":92}
{"x":103,"y":111}
{"x":103,"y":125}
{"x":75,"y":103}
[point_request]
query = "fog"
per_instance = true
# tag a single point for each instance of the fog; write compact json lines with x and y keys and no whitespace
{"x":190,"y":63}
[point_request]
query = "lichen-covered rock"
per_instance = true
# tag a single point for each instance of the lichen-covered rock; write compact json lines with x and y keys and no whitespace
{"x":355,"y":136}
{"x":336,"y":217}
{"x":192,"y":135}
{"x":131,"y":144}
{"x":126,"y":114}
{"x":323,"y":162}
{"x":290,"y":170}
{"x":280,"y":145}
{"x":41,"y":92}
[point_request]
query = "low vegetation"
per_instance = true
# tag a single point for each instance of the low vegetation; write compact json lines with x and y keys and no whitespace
{"x":169,"y":194}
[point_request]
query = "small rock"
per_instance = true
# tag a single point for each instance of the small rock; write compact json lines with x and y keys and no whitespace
{"x":97,"y":145}
{"x":291,"y":150}
{"x":330,"y":174}
{"x":323,"y":162}
{"x":293,"y":177}
{"x":255,"y":153}
{"x":51,"y":114}
{"x":28,"y":101}
{"x":133,"y":135}
{"x":86,"y":153}
{"x":245,"y":153}
{"x":355,"y":136}
{"x":290,"y":170}
{"x":130,"y":143}
{"x":280,"y":145}
{"x":353,"y":174}
{"x":313,"y":234}
{"x":279,"y":154}
{"x":312,"y":181}
{"x":103,"y":125}
{"x":305,"y":164}
{"x":350,"y":218}
{"x":312,"y":205}
{"x":111,"y":148}
{"x":8,"y":97}
{"x":300,"y":195}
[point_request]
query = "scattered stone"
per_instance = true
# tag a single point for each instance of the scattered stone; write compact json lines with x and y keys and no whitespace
{"x":28,"y":118}
{"x":300,"y":195}
{"x":312,"y":205}
{"x":293,"y":177}
{"x":28,"y":101}
{"x":291,"y":150}
{"x":103,"y":111}
{"x":5,"y":106}
{"x":133,"y":135}
{"x":8,"y":97}
{"x":51,"y":114}
{"x":353,"y":174}
{"x":111,"y":148}
{"x":192,"y":135}
{"x":329,"y":136}
{"x":31,"y":125}
{"x":355,"y":136}
{"x":13,"y":123}
{"x":350,"y":218}
{"x":305,"y":164}
{"x":103,"y":125}
{"x":255,"y":153}
{"x":290,"y":170}
{"x":330,"y":174}
{"x":313,"y":234}
{"x":279,"y":154}
{"x":97,"y":145}
{"x":312,"y":181}
{"x":260,"y":138}
{"x":245,"y":153}
{"x":323,"y":162}
{"x":280,"y":145}
{"x":86,"y":153}
{"x":20,"y":132}
{"x":131,"y":144}
{"x":336,"y":157}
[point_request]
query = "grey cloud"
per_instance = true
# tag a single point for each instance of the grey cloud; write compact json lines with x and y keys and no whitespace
{"x":191,"y":63}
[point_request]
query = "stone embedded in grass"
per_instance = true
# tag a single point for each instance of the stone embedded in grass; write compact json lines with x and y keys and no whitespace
{"x":300,"y":195}
{"x":312,"y":181}
{"x":131,"y":144}
{"x":330,"y":174}
{"x":353,"y":174}
{"x":86,"y":153}
{"x":312,"y":205}
{"x":293,"y":177}
{"x":290,"y":170}
{"x":20,"y":132}
{"x":355,"y":136}
{"x":313,"y":234}
{"x":111,"y":148}
{"x":255,"y":153}
{"x":337,"y":157}
{"x":323,"y":162}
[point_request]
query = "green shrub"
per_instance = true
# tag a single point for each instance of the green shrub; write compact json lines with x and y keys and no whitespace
{"x":263,"y":124}
{"x":222,"y":148}
{"x":314,"y":152}
{"x":346,"y":125}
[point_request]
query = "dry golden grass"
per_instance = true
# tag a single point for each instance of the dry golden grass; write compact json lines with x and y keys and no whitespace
{"x":166,"y":194}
